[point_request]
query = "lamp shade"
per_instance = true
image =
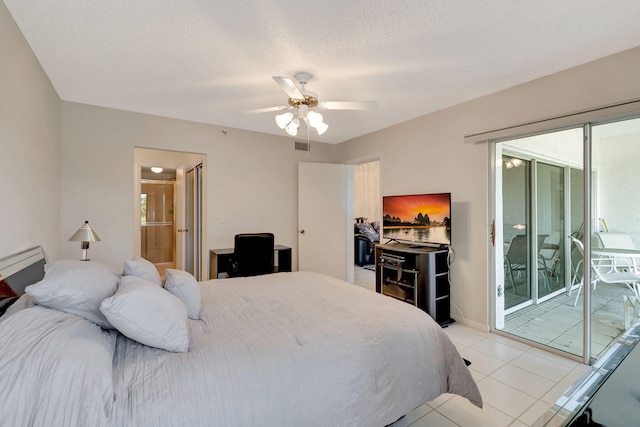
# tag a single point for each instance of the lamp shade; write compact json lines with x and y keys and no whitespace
{"x":85,"y":234}
{"x":292,"y":128}
{"x":314,"y":118}
{"x":282,"y":120}
{"x":321,"y":127}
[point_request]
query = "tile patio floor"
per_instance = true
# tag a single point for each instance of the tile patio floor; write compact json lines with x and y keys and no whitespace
{"x":558,"y":324}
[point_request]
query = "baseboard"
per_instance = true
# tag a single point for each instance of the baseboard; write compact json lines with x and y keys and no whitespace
{"x":472,"y":324}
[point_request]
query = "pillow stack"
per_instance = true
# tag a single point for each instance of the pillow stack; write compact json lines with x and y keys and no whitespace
{"x":140,"y":267}
{"x":76,"y":287}
{"x":184,"y":286}
{"x":134,"y":303}
{"x":146,"y":313}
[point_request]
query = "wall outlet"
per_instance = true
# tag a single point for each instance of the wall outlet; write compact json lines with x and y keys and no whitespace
{"x":221,"y":218}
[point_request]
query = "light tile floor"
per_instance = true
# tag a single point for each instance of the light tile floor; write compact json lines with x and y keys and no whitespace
{"x":518,"y":382}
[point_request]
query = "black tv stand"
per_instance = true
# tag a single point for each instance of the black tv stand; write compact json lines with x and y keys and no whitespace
{"x":391,"y":241}
{"x":418,"y":275}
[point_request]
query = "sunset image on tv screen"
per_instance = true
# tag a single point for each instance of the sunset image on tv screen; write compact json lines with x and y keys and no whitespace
{"x":408,"y":208}
{"x":418,"y":218}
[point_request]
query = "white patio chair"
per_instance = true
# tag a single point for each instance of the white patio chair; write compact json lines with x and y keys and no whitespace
{"x":619,"y":241}
{"x":604,"y":271}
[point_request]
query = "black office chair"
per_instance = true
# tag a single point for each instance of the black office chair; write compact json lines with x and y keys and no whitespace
{"x":252,"y":254}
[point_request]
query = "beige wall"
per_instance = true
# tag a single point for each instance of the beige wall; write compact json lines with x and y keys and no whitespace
{"x":251,"y":178}
{"x":428,"y":154}
{"x":29,"y":138}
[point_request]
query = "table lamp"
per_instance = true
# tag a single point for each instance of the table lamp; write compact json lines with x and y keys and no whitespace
{"x":85,"y":235}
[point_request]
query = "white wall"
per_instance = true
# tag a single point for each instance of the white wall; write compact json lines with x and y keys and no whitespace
{"x":618,"y":179}
{"x":428,"y":154}
{"x":563,"y":147}
{"x":251,"y":178}
{"x":29,"y":138}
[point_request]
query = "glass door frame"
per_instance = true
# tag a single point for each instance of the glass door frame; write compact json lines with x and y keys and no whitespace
{"x":531,"y":269}
{"x":532,"y":219}
{"x":498,"y":280}
{"x":585,"y":119}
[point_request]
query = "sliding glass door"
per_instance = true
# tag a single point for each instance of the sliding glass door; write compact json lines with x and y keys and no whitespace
{"x":616,"y":227}
{"x":516,"y":221}
{"x":537,"y":212}
{"x":543,"y":292}
{"x":550,"y":227}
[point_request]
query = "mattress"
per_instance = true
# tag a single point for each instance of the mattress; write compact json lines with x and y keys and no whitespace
{"x":285,"y":349}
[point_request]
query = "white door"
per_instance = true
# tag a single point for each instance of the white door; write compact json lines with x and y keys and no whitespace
{"x":192,"y":231}
{"x":325,"y":219}
{"x":180,"y":218}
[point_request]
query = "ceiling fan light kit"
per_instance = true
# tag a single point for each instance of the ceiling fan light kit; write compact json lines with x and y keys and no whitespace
{"x":301,"y":100}
{"x":290,"y":122}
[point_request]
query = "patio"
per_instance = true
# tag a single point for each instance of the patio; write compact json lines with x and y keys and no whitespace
{"x":558,"y":324}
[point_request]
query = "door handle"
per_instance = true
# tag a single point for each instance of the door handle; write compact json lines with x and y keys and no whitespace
{"x":183,"y":230}
{"x":302,"y":231}
{"x":493,"y":233}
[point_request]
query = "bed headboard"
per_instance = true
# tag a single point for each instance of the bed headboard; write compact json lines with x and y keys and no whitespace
{"x":20,"y":270}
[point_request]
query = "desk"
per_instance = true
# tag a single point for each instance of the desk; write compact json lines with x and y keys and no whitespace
{"x":219,"y":260}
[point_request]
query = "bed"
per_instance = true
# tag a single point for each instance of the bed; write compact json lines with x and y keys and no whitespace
{"x":283,"y":349}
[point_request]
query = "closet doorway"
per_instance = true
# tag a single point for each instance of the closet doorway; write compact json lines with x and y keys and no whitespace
{"x":169,"y":207}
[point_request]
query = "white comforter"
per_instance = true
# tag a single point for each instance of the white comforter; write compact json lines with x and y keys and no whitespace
{"x":287,"y":349}
{"x":55,"y":370}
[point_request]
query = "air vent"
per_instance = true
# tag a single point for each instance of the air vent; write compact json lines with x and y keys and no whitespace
{"x":302,"y":146}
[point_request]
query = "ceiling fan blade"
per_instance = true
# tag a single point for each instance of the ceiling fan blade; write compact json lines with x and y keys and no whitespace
{"x":270,"y":109}
{"x":289,"y":87}
{"x":348,"y":105}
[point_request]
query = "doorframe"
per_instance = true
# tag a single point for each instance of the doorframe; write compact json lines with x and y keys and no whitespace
{"x":181,"y":161}
{"x":585,"y":119}
{"x":535,"y":159}
{"x":496,"y":272}
{"x":360,"y":161}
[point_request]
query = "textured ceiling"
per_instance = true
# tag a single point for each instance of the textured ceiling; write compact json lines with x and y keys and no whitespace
{"x":212,"y":60}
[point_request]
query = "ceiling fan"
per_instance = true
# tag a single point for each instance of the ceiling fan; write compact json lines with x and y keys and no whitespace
{"x":301,"y":101}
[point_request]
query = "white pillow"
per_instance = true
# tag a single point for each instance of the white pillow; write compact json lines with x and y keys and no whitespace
{"x":183,"y":285}
{"x":143,"y":269}
{"x":76,"y":287}
{"x":148,"y":314}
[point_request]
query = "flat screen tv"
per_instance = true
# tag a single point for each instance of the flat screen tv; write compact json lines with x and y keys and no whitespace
{"x":419,"y":219}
